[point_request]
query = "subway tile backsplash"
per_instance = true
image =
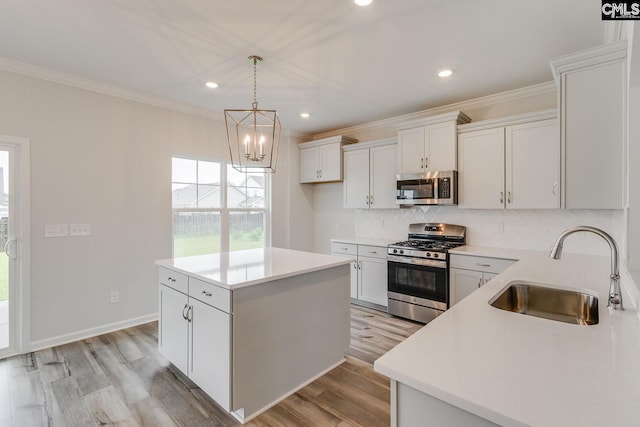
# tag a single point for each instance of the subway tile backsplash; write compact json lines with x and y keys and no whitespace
{"x":522,"y":229}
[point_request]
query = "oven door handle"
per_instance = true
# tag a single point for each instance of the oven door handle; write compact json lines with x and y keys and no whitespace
{"x":417,"y":261}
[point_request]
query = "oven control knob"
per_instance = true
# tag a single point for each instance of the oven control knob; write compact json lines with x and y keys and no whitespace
{"x":428,"y":254}
{"x":436,"y":255}
{"x":395,"y":251}
{"x":401,"y":251}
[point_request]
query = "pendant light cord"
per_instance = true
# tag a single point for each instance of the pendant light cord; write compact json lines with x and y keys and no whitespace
{"x":255,"y":59}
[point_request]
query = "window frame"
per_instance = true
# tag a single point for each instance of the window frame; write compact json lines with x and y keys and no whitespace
{"x":224,"y":211}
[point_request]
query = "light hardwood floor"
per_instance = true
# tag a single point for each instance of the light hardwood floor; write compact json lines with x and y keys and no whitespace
{"x":121,"y":379}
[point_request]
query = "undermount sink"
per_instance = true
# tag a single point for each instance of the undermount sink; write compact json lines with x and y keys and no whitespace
{"x":549,"y":303}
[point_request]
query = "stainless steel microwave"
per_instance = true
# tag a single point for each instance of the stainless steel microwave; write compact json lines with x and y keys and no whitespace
{"x":429,"y":188}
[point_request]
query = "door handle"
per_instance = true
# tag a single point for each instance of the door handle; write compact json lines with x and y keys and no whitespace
{"x":553,"y":189}
{"x":480,"y":282}
{"x":367,"y":200}
{"x":7,"y":246}
{"x":184,"y":312}
{"x":190,"y":314}
{"x":371,"y":200}
{"x":508,"y":196}
{"x":502,"y":197}
{"x":422,"y":163}
{"x":426,"y":162}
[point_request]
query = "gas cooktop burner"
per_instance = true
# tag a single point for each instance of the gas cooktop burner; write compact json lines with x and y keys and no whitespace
{"x":424,"y":245}
{"x":429,"y":240}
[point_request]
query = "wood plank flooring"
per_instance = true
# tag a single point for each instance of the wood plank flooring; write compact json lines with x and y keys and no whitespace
{"x":120,"y":379}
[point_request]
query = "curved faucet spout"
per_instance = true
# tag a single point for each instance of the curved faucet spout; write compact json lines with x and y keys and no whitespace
{"x":615,"y":296}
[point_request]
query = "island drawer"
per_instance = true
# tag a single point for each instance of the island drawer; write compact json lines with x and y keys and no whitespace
{"x":344,"y":248}
{"x":212,"y":295}
{"x":476,"y":263}
{"x":372,"y":251}
{"x":173,"y":279}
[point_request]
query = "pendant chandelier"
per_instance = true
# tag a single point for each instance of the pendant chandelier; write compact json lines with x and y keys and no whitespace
{"x":253,"y":135}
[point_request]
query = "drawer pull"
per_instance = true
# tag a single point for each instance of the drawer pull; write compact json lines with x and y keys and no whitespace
{"x":345,"y":249}
{"x":482,"y":265}
{"x":373,"y":252}
{"x":207,"y":294}
{"x":170,"y":279}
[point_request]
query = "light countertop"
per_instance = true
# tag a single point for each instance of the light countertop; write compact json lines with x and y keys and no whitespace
{"x":515,"y":369}
{"x":504,"y":253}
{"x":369,"y":241}
{"x":234,"y":270}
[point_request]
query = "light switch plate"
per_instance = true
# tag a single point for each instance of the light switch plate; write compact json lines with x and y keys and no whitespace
{"x":56,"y":230}
{"x":79,"y":229}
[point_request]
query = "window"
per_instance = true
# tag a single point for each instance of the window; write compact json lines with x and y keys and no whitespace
{"x":216,"y":208}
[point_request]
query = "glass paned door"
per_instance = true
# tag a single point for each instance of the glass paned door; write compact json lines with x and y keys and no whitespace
{"x":7,"y":248}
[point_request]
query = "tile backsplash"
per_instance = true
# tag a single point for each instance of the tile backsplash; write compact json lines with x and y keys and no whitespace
{"x":522,"y":229}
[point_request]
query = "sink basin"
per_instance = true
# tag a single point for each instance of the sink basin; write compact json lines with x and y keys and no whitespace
{"x":549,"y":303}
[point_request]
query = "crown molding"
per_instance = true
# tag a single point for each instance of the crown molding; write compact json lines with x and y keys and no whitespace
{"x":18,"y":67}
{"x":455,"y":116}
{"x":509,"y":120}
{"x":588,"y":57}
{"x":539,"y":89}
{"x":371,"y":144}
{"x":343,"y":140}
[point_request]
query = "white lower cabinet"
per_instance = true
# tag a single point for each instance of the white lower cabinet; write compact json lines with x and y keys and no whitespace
{"x":196,"y":336}
{"x":368,"y":273}
{"x":468,"y":273}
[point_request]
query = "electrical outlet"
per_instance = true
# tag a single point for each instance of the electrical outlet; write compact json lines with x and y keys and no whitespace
{"x":56,"y":230}
{"x":79,"y":229}
{"x":115,"y":297}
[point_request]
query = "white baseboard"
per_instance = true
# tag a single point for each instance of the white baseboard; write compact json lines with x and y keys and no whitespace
{"x":89,"y":333}
{"x":240,"y":416}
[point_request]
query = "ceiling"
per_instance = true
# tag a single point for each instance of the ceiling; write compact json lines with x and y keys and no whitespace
{"x":343,"y":64}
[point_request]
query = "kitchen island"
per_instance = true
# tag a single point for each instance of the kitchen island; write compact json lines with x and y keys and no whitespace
{"x":477,"y":365}
{"x":251,"y":327}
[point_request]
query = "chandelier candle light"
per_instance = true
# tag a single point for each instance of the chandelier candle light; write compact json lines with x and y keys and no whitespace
{"x":253,"y":135}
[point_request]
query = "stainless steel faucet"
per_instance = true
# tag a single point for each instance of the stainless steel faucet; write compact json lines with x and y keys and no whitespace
{"x":615,"y":297}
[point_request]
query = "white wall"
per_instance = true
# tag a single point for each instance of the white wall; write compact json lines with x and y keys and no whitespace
{"x":106,"y":161}
{"x":523,"y":229}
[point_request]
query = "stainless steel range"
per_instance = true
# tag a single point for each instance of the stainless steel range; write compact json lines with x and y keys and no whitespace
{"x":418,"y":283}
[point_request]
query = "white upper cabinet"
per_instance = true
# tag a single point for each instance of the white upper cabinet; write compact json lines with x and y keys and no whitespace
{"x":429,"y":144}
{"x":532,"y":165}
{"x":369,"y":175}
{"x":321,"y":160}
{"x":592,"y":108}
{"x":511,"y":163}
{"x":481,"y":169}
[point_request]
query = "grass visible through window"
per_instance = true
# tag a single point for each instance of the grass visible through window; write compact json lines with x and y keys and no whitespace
{"x":200,"y":245}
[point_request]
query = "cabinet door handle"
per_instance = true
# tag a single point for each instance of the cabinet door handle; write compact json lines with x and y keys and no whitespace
{"x":184,"y":312}
{"x":479,"y":264}
{"x":359,"y":265}
{"x":367,"y":200}
{"x":371,"y":200}
{"x":480,"y":282}
{"x":190,"y":314}
{"x":553,"y":189}
{"x":170,"y":279}
{"x":355,"y":265}
{"x":502,"y":197}
{"x":426,"y":162}
{"x":508,"y":196}
{"x":320,"y":173}
{"x":422,"y":163}
{"x":207,"y":294}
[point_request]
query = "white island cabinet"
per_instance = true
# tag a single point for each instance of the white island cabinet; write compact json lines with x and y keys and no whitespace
{"x":250,"y":327}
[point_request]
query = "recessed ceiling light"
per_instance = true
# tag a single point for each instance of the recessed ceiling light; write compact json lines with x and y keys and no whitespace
{"x":305,"y":115}
{"x":445,"y":73}
{"x":211,"y":85}
{"x":363,"y":2}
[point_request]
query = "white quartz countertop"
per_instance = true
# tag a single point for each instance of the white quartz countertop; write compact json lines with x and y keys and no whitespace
{"x":369,"y":241}
{"x":504,"y":253}
{"x":233,"y":270}
{"x":515,"y":369}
